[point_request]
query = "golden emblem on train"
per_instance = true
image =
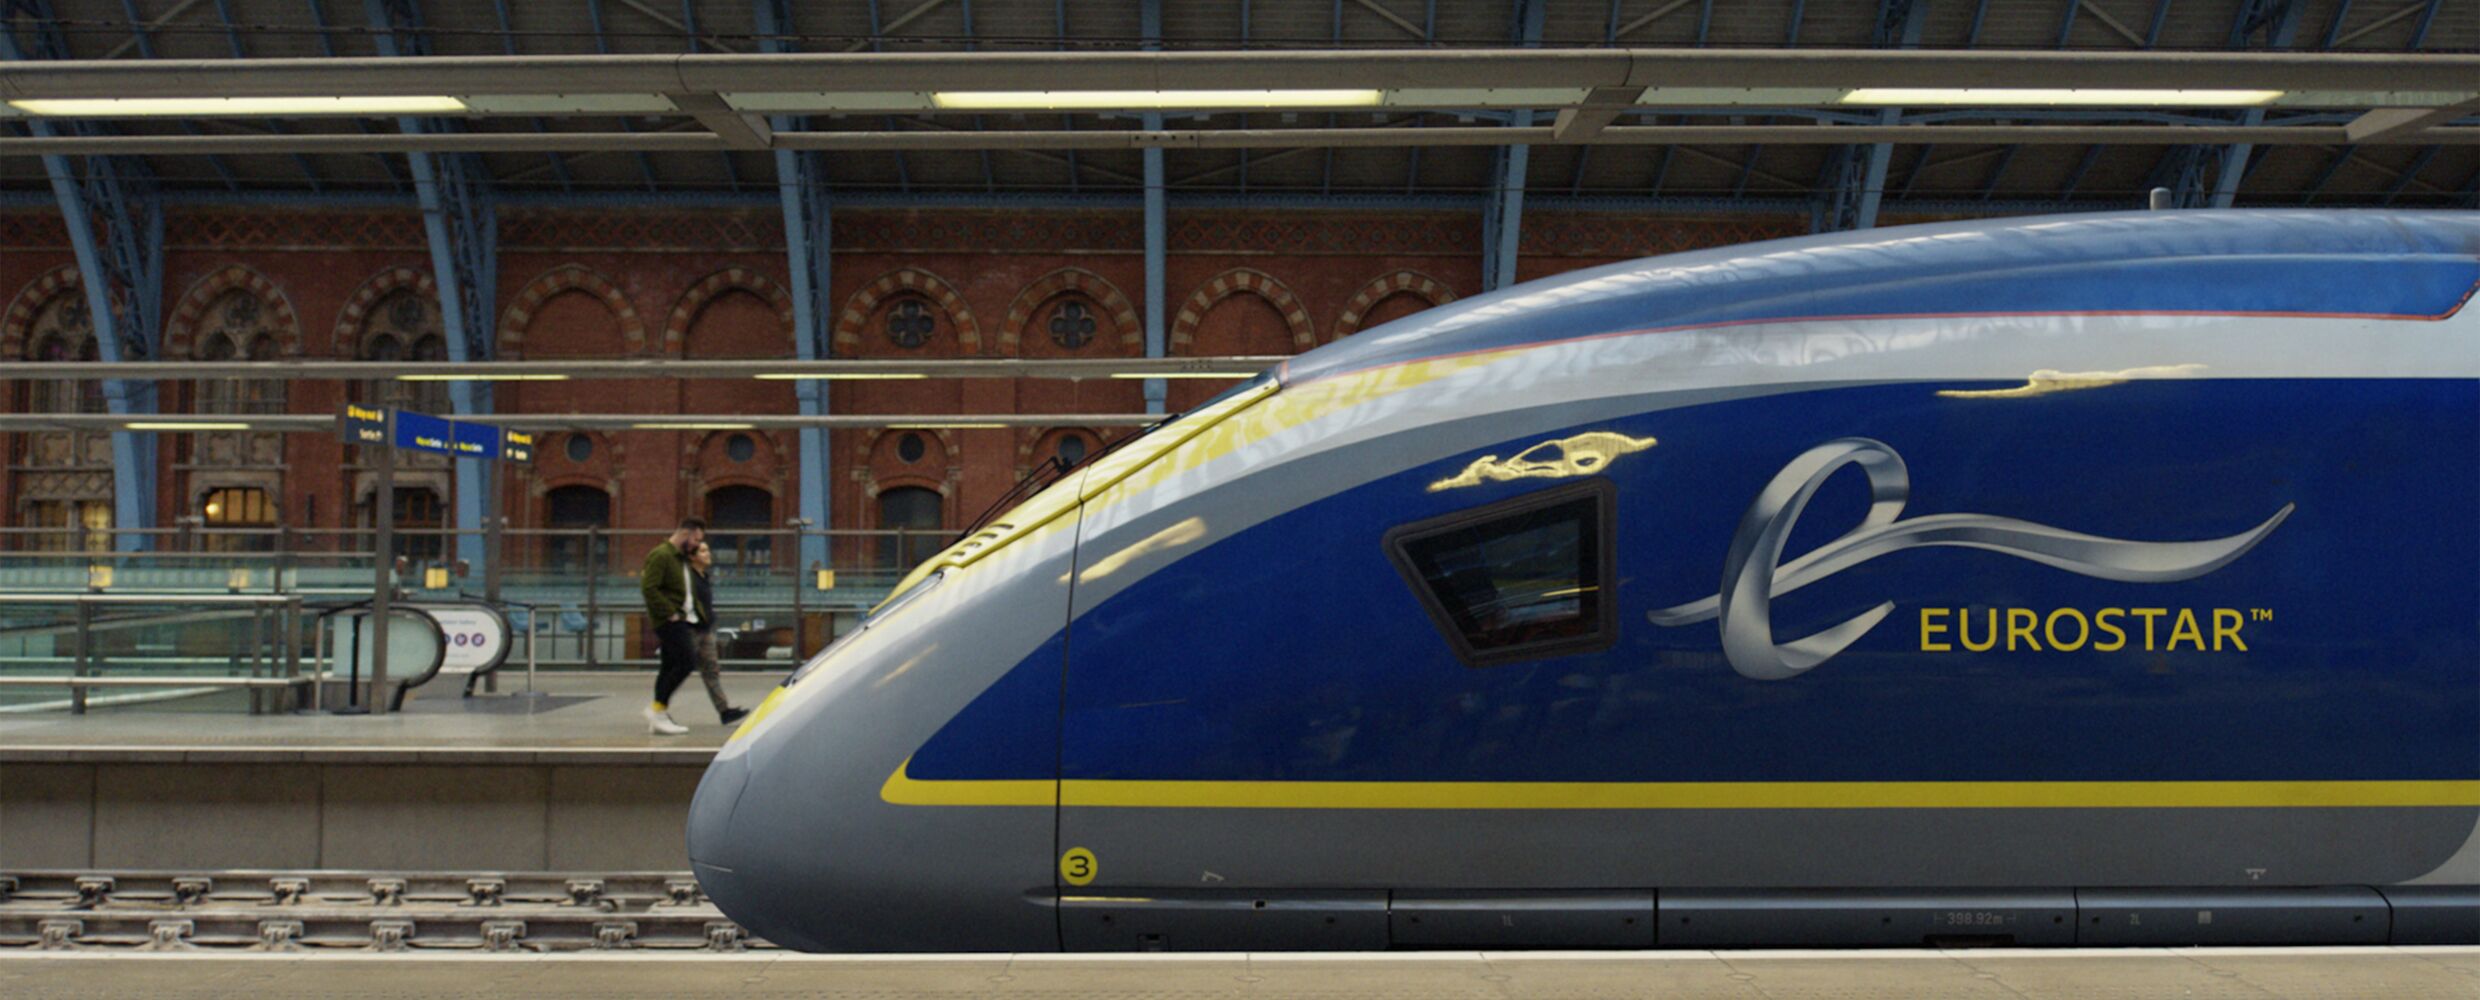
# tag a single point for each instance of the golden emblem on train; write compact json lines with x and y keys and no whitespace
{"x":1581,"y":455}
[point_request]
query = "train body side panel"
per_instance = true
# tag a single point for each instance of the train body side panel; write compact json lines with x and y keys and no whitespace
{"x":2317,"y":721}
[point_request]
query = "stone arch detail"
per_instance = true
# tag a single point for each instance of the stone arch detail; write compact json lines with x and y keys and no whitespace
{"x":1072,"y":279}
{"x":858,"y":309}
{"x":684,"y":312}
{"x":1238,"y":281}
{"x":1409,"y":282}
{"x":519,"y":316}
{"x":349,"y":322}
{"x":183,"y":324}
{"x":19,"y":320}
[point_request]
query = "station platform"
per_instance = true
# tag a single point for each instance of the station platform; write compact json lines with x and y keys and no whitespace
{"x":2257,"y":974}
{"x":567,"y":782}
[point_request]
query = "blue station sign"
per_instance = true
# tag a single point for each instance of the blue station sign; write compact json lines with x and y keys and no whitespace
{"x":367,"y":425}
{"x":423,"y":432}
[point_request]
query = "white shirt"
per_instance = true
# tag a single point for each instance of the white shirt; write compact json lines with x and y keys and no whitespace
{"x":688,"y":592}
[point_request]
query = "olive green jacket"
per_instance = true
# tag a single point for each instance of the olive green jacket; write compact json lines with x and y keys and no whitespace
{"x":664,"y":583}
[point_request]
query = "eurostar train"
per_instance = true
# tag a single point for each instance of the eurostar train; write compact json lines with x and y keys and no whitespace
{"x":2105,"y":579}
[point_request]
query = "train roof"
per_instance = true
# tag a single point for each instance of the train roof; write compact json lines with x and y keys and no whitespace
{"x":2409,"y":265}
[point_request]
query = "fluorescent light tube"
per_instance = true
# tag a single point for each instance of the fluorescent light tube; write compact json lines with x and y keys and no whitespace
{"x":184,"y":425}
{"x":2011,"y":97}
{"x":837,"y":376}
{"x":1147,"y":100}
{"x":129,"y":107}
{"x":487,"y":377}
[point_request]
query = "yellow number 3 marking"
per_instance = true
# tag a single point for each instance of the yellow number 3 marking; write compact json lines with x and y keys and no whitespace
{"x":1078,"y":867}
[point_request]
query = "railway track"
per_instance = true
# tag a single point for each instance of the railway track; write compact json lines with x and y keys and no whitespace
{"x":518,"y":912}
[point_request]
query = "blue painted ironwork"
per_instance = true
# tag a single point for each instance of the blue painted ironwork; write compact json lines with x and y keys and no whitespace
{"x":1157,"y":225}
{"x":602,"y":44}
{"x":232,"y":38}
{"x":327,"y":45}
{"x":801,"y":188}
{"x":2411,"y":173}
{"x":144,"y":38}
{"x":1502,"y":219}
{"x":2428,"y":19}
{"x":2279,"y":22}
{"x":461,"y":223}
{"x":1857,"y":183}
{"x":115,"y":222}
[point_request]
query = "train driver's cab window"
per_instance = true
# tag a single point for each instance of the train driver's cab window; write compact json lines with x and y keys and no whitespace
{"x":1519,"y":579}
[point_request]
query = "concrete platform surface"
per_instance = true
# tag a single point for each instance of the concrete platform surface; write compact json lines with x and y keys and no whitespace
{"x":593,"y":716}
{"x":2257,"y":974}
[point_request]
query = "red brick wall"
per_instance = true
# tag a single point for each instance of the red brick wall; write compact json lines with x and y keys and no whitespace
{"x":712,"y":284}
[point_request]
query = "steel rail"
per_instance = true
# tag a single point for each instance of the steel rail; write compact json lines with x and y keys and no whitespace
{"x":1386,"y":69}
{"x":1285,"y":138}
{"x":750,"y":368}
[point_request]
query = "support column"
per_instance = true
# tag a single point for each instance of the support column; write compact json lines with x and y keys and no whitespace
{"x":1860,"y":185}
{"x":116,"y":230}
{"x":801,"y":183}
{"x":1502,"y":218}
{"x":462,"y":228}
{"x":1157,"y":224}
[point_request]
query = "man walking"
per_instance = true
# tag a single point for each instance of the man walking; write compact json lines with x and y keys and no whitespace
{"x":672,"y":607}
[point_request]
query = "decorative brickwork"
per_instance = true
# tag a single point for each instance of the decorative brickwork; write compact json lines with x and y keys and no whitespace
{"x":638,"y":231}
{"x":1582,"y":234}
{"x":33,"y":231}
{"x":349,"y":322}
{"x":676,"y":328}
{"x":183,"y":326}
{"x":1413,"y":283}
{"x":29,"y":302}
{"x":988,"y":232}
{"x":326,"y":229}
{"x":1242,"y":281}
{"x":864,"y":304}
{"x":1302,"y":233}
{"x":1072,"y":279}
{"x":519,"y":316}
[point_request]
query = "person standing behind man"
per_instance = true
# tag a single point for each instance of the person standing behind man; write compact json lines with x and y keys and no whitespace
{"x":709,"y":662}
{"x":671,"y":604}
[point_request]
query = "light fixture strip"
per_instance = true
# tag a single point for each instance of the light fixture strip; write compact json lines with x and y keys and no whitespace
{"x":487,"y":377}
{"x":192,"y":107}
{"x":836,"y":376}
{"x":2035,"y":97}
{"x":1150,"y":100}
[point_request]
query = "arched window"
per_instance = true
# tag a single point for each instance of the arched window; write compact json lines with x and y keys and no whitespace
{"x":576,"y":508}
{"x":732,"y":514}
{"x":63,"y":479}
{"x":421,"y":519}
{"x":404,"y":326}
{"x":235,"y":329}
{"x":917,"y":515}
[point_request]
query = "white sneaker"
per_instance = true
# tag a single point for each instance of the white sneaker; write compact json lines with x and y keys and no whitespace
{"x":661,"y":724}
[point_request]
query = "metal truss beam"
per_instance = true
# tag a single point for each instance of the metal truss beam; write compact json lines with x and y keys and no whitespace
{"x":115,"y":221}
{"x":801,"y":186}
{"x":462,"y":227}
{"x":2278,"y":21}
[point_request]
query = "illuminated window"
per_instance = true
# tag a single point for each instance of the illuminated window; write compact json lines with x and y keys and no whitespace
{"x":248,"y":512}
{"x":1515,"y":580}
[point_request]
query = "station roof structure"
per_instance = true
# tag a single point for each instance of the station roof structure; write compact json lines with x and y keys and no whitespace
{"x":1987,"y":105}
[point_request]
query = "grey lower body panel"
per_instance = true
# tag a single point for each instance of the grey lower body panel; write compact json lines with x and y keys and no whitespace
{"x":1366,"y":920}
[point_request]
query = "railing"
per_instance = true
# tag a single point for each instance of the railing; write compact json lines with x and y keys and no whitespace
{"x":169,"y":643}
{"x":780,"y":604}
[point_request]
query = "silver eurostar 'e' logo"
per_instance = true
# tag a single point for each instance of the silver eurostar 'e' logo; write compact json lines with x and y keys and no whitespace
{"x":1753,"y":574}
